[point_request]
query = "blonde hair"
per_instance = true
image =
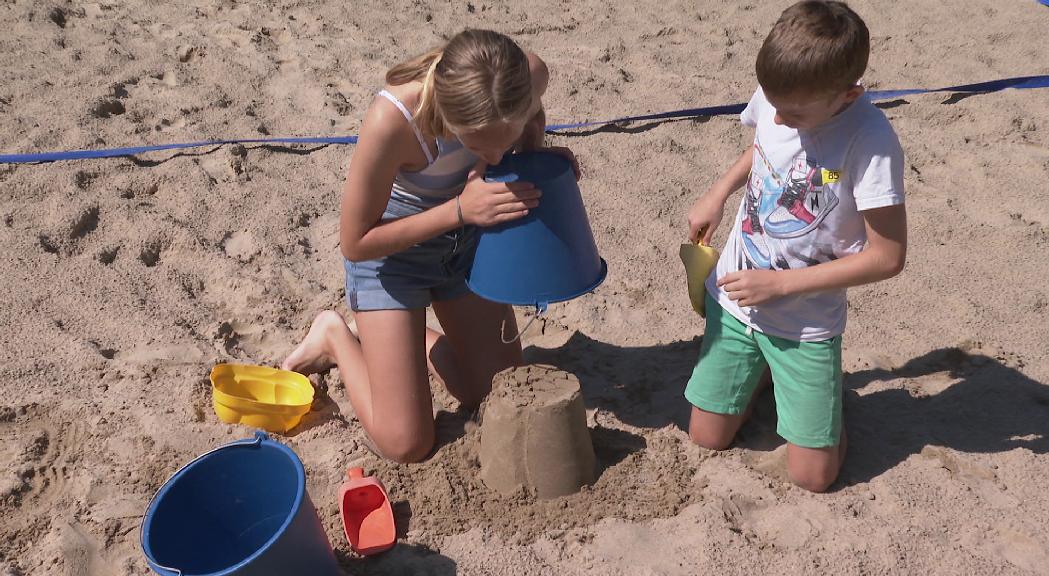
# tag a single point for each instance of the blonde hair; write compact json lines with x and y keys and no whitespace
{"x":816,"y":46}
{"x":477,"y":79}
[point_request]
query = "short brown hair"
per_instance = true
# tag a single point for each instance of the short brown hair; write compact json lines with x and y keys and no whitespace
{"x":478,"y":78}
{"x":816,"y":46}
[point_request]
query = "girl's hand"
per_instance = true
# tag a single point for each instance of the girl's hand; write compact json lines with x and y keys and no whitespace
{"x":704,"y":216}
{"x":489,"y":203}
{"x":752,"y":287}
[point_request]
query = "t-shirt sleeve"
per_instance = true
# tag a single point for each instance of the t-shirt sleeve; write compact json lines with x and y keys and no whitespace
{"x":876,"y":169}
{"x":749,"y":115}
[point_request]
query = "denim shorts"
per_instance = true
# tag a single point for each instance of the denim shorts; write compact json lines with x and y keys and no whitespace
{"x":433,"y":270}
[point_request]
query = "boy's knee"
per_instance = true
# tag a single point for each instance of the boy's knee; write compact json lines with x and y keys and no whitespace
{"x":813,"y":476}
{"x":711,"y":443}
{"x":815,"y":469}
{"x":813,"y":480}
{"x":710,"y":431}
{"x":705,"y":438}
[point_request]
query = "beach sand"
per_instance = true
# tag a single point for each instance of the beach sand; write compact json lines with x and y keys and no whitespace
{"x":126,"y":280}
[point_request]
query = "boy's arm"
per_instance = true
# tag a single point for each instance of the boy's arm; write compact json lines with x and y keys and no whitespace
{"x":708,"y":210}
{"x":882,"y":258}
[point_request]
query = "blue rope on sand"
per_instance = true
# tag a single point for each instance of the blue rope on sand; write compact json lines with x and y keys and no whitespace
{"x":1020,"y":83}
{"x":1023,"y":82}
{"x":119,"y":152}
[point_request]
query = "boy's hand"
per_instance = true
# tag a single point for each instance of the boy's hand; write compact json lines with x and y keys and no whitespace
{"x":752,"y":287}
{"x":705,"y":215}
{"x":708,"y":211}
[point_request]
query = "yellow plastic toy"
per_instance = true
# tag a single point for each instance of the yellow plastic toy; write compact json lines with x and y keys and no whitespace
{"x":699,"y":259}
{"x":259,"y":396}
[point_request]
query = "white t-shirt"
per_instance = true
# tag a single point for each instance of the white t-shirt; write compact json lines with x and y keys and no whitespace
{"x":802,"y":207}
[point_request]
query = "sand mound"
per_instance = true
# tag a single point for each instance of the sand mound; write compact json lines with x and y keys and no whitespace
{"x":534,"y":434}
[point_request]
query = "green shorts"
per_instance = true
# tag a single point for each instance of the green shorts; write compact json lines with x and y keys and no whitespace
{"x":806,"y":377}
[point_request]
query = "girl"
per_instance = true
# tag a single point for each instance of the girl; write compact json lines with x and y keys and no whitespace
{"x":413,"y":198}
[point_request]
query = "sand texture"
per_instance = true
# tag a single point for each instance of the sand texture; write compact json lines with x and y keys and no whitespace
{"x":125,"y":281}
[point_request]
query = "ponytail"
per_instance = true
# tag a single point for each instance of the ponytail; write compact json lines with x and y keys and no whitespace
{"x":478,"y":78}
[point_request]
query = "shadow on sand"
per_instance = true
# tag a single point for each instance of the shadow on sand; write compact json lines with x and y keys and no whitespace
{"x":949,"y":398}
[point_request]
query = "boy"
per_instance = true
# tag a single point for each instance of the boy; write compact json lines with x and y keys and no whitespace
{"x":823,"y":210}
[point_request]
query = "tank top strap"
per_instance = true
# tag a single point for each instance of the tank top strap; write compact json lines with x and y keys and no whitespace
{"x":408,"y":116}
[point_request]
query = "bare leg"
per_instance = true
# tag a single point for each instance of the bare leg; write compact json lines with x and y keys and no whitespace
{"x":440,"y":358}
{"x":474,"y":339}
{"x":716,"y":431}
{"x":312,"y":355}
{"x":395,"y":349}
{"x":815,"y":469}
{"x":390,"y":352}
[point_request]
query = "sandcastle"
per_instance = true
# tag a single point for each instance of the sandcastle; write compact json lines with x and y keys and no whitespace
{"x":534,"y":433}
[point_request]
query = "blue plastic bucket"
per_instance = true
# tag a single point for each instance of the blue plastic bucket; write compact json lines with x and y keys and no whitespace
{"x":240,"y":509}
{"x":547,"y":256}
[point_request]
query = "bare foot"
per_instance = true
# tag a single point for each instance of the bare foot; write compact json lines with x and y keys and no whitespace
{"x":314,"y":354}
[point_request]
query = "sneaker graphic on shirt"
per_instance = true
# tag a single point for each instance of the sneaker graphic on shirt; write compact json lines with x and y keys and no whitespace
{"x":802,"y":203}
{"x":778,"y":208}
{"x":757,"y":252}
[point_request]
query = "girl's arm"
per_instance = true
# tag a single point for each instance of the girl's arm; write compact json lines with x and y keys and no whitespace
{"x":378,"y":156}
{"x":535,"y":129}
{"x":381,"y":152}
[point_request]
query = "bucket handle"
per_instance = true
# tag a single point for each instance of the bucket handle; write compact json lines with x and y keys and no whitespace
{"x":540,"y":309}
{"x":256,"y":441}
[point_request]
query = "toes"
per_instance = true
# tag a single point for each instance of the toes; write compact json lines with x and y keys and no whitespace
{"x":288,"y":365}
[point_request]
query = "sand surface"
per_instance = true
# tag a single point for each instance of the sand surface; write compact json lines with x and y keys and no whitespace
{"x":126,"y":280}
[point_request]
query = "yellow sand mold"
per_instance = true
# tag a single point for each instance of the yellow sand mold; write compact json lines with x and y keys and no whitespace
{"x":259,"y":396}
{"x":699,"y":260}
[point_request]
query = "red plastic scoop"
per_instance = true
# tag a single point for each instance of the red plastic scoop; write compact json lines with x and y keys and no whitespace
{"x":367,"y":516}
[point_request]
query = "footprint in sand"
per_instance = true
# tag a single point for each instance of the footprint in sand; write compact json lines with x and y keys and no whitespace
{"x":188,"y":354}
{"x":244,"y":339}
{"x":71,"y":225}
{"x":85,"y":223}
{"x":772,"y":464}
{"x":168,"y":78}
{"x":22,"y":452}
{"x":40,"y":456}
{"x":737,"y":510}
{"x":242,"y":246}
{"x":785,"y":526}
{"x":108,"y":255}
{"x":227,"y":165}
{"x":978,"y":477}
{"x":1005,"y":542}
{"x":150,"y":253}
{"x":185,"y":52}
{"x":107,"y":107}
{"x":790,"y":526}
{"x":76,"y":551}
